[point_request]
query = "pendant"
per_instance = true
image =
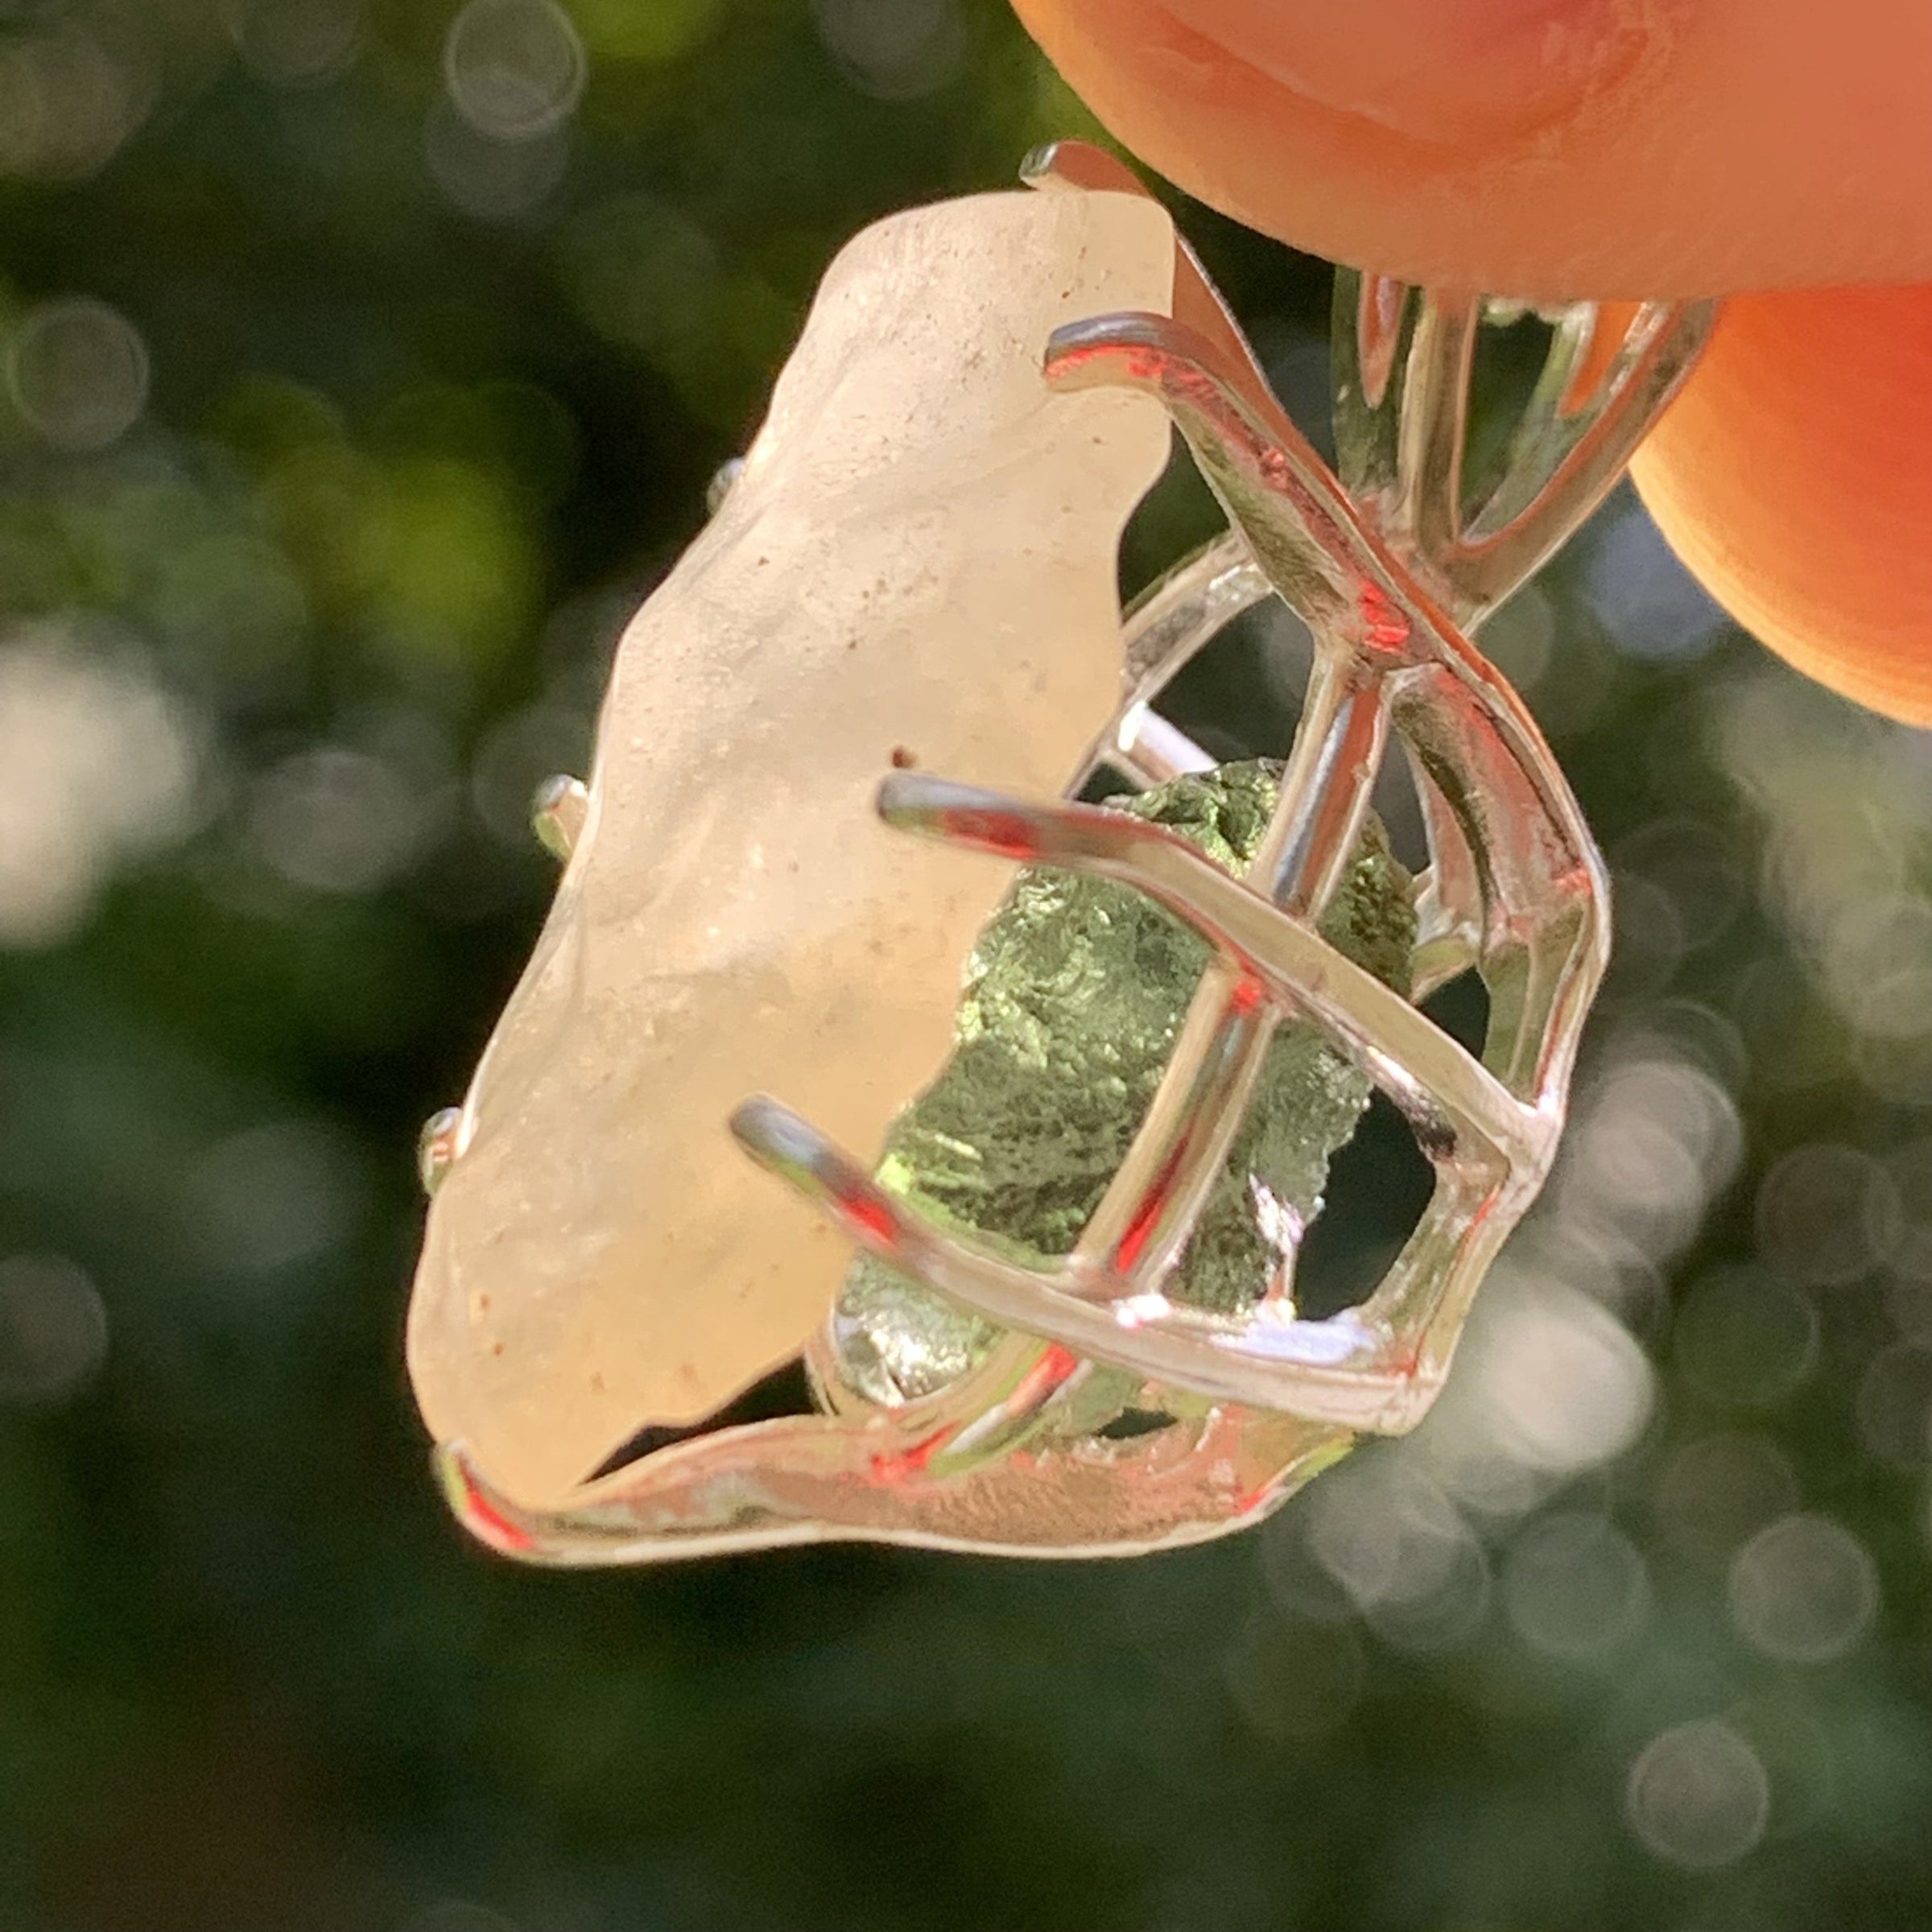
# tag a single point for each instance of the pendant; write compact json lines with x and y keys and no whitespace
{"x":1071,"y":1326}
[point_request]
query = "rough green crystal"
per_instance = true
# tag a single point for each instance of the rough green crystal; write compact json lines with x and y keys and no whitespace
{"x":1073,"y":998}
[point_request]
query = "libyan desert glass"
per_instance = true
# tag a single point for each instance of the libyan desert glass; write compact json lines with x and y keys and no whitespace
{"x":916,"y":560}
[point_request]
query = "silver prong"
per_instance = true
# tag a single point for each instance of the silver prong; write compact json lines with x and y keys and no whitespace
{"x":1074,"y":164}
{"x":1280,"y":495}
{"x":1093,"y":1312}
{"x":794,"y":1149}
{"x":723,"y":478}
{"x":557,"y":814}
{"x":437,"y":1147}
{"x":1451,"y":1099}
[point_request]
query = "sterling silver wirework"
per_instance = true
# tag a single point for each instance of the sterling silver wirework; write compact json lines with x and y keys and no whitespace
{"x":1389,"y":576}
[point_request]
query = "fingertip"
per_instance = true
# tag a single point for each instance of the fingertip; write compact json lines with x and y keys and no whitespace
{"x":1542,"y":148}
{"x":1794,"y":476}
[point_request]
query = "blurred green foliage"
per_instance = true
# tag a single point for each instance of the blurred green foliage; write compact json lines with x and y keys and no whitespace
{"x":365,"y":361}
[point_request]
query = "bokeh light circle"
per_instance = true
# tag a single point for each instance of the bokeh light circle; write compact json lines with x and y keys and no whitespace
{"x":295,"y":43}
{"x":1909,"y":1171}
{"x":1717,"y":1491}
{"x":1893,"y":1406}
{"x":1803,"y":1591}
{"x":53,"y":1332}
{"x":1654,"y":1139}
{"x":1400,"y":1550}
{"x":514,"y":68}
{"x":103,"y":766}
{"x":1744,"y":1337}
{"x":78,"y":372}
{"x":1570,"y":1388}
{"x":1574,"y":1585}
{"x":895,"y":50}
{"x":1698,"y":1796}
{"x":493,"y":181}
{"x":1826,"y":1215}
{"x":332,"y":820}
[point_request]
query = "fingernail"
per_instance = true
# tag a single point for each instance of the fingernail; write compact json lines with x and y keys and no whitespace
{"x":1442,"y":71}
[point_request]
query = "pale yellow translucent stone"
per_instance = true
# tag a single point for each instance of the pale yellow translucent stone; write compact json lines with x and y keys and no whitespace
{"x":917,"y":563}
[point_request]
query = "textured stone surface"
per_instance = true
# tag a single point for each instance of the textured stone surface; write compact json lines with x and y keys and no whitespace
{"x":1074,"y":997}
{"x":917,"y":560}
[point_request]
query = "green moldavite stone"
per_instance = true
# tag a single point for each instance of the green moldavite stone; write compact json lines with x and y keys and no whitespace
{"x":1073,"y":997}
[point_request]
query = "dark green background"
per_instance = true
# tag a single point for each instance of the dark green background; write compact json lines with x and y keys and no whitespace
{"x":428,"y":413}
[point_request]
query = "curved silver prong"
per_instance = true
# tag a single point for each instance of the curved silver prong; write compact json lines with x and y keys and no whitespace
{"x":1347,"y":1371}
{"x":1572,"y":446}
{"x":1276,"y":491}
{"x":557,"y":814}
{"x":1377,"y":336}
{"x":1197,"y":303}
{"x":1080,"y":164}
{"x":438,"y":1146}
{"x":1433,"y":431}
{"x":1449,"y":1095}
{"x":723,"y":479}
{"x":1405,"y":358}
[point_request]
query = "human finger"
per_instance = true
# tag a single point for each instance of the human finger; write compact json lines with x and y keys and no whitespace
{"x":1794,"y":475}
{"x":1537,"y":148}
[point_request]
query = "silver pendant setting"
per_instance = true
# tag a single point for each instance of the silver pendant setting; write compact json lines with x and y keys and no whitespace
{"x":1390,"y":575}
